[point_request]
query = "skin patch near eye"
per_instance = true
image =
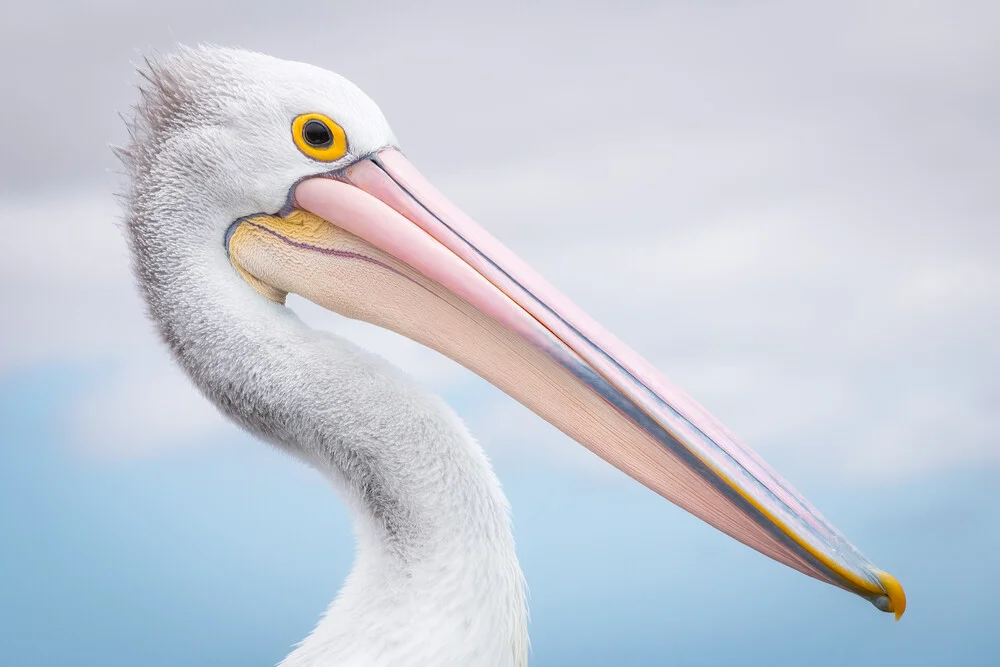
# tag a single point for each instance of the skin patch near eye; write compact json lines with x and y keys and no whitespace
{"x":319,"y":137}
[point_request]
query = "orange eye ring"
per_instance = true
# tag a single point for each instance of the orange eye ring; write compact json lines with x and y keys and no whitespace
{"x":319,"y":137}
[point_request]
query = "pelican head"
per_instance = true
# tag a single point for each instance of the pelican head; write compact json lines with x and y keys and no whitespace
{"x":252,"y":178}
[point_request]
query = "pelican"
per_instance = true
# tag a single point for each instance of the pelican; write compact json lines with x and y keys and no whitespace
{"x":251,"y":178}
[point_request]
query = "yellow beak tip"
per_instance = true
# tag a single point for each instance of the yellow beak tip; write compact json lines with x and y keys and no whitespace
{"x":894,"y":591}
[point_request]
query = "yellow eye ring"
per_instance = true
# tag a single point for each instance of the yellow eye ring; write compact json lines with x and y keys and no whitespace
{"x":319,"y":137}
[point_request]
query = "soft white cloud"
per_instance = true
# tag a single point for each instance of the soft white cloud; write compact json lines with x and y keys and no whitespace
{"x":146,"y":407}
{"x":807,"y":244}
{"x":808,"y":348}
{"x":64,"y":277}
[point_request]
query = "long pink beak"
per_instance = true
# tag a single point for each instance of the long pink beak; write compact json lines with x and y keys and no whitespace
{"x":667,"y":441}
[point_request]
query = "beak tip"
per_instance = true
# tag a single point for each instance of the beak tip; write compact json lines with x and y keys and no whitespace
{"x":894,"y":600}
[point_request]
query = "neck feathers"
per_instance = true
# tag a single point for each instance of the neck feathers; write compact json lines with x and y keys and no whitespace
{"x":436,"y":579}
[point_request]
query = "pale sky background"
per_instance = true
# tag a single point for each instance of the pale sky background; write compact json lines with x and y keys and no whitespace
{"x":792,"y":209}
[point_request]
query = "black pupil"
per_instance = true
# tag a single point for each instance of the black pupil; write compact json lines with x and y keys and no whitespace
{"x":317,"y":134}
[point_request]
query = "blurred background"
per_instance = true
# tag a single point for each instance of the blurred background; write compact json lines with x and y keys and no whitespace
{"x":790,"y":208}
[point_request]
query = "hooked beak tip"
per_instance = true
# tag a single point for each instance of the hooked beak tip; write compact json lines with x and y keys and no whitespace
{"x":894,"y":600}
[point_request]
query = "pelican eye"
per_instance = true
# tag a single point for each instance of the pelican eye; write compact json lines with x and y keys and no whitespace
{"x":318,"y":137}
{"x":317,"y":134}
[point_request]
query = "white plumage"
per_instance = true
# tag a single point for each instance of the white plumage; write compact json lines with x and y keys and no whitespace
{"x":436,"y":579}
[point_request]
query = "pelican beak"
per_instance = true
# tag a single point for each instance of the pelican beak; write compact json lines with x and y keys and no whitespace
{"x":381,"y":244}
